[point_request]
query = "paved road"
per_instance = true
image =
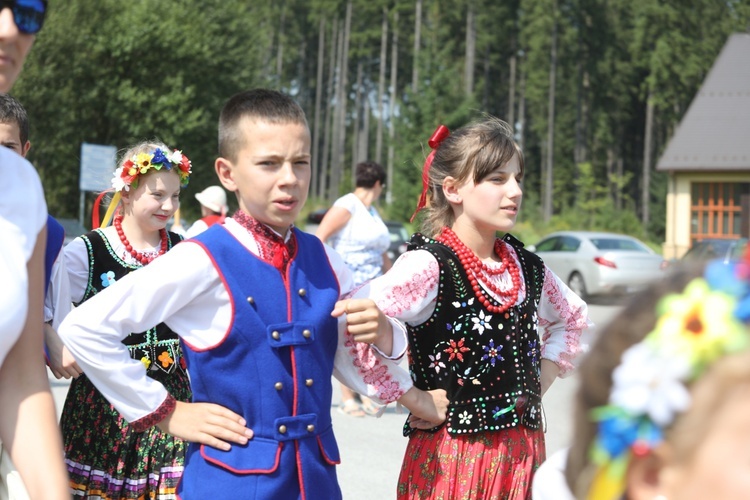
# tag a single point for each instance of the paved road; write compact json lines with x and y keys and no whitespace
{"x":372,"y":448}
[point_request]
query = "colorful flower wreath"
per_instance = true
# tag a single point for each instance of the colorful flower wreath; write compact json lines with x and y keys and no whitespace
{"x":693,"y":329}
{"x":140,"y":163}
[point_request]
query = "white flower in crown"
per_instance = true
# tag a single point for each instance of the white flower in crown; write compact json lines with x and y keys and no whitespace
{"x":649,"y":382}
{"x":117,"y":181}
{"x":175,"y":157}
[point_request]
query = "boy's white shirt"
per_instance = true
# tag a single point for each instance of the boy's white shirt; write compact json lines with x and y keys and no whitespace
{"x":182,"y":289}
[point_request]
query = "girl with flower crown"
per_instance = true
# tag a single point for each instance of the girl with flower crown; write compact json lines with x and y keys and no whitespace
{"x":473,"y":304}
{"x":662,"y":409}
{"x":106,"y":458}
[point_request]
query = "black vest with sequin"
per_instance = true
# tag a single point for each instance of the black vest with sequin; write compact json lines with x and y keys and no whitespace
{"x":489,"y":363}
{"x":157,"y":348}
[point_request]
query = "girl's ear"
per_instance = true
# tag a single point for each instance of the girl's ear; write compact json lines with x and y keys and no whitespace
{"x":225,"y":172}
{"x":450,"y":190}
{"x":645,"y":475}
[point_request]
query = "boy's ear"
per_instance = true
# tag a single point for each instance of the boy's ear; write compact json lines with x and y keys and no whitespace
{"x":225,"y":172}
{"x":645,"y":475}
{"x":450,"y":190}
{"x":25,"y":148}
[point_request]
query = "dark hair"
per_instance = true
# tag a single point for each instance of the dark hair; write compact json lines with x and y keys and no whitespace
{"x":628,"y":328}
{"x":367,"y":173}
{"x":11,"y":111}
{"x":474,"y":150}
{"x":263,"y":104}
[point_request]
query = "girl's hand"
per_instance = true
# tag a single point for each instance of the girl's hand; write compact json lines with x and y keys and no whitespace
{"x":429,"y":408}
{"x":61,"y":362}
{"x":206,"y":423}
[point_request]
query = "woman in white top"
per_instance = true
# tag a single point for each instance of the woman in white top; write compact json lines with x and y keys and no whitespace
{"x":355,"y":230}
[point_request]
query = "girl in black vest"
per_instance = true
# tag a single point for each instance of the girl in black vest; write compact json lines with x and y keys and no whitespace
{"x":473,"y":305}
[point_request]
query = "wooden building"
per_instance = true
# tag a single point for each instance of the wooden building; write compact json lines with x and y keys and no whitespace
{"x":708,"y":157}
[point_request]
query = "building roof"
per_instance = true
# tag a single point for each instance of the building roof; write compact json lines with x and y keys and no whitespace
{"x":714,"y":134}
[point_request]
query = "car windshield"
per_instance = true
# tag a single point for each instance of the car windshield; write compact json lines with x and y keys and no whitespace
{"x":619,"y":244}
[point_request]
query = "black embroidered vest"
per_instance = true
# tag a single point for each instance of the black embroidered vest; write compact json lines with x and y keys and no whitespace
{"x":157,"y":348}
{"x":489,"y":363}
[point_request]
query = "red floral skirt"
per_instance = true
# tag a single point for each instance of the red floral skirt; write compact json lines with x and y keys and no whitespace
{"x":481,"y":466}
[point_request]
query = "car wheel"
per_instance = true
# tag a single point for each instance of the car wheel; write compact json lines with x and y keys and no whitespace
{"x":576,"y":283}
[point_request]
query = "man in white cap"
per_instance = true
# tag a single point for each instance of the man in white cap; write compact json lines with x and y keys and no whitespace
{"x":213,"y":202}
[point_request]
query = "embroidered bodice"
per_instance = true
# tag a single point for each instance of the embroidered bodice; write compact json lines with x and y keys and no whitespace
{"x":158,"y":348}
{"x":489,"y":363}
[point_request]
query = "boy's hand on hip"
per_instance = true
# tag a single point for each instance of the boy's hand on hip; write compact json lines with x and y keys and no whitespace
{"x":206,"y":423}
{"x":364,"y":320}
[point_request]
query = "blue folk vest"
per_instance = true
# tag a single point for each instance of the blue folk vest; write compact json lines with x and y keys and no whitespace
{"x":274,"y":368}
{"x":488,"y":363}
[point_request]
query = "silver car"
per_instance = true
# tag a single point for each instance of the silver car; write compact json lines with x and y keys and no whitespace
{"x":600,"y":263}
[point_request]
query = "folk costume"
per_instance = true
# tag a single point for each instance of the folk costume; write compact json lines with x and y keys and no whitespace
{"x":253,"y":313}
{"x":484,"y":349}
{"x":106,"y":457}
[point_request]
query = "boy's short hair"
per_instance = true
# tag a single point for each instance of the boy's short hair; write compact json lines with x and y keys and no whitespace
{"x":11,"y":111}
{"x":263,"y":104}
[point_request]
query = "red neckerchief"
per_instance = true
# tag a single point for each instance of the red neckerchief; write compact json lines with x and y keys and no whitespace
{"x":272,"y":248}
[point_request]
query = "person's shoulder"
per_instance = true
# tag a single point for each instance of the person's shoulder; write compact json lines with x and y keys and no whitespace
{"x":518,"y":246}
{"x":348,"y":201}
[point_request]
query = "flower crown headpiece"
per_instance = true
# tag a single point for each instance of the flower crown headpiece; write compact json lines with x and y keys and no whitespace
{"x":693,"y":329}
{"x":138,"y":165}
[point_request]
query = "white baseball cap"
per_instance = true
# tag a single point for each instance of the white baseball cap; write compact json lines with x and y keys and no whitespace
{"x":214,"y":198}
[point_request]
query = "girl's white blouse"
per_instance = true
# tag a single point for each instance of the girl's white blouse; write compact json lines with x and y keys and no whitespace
{"x":182,"y":289}
{"x":23,"y":214}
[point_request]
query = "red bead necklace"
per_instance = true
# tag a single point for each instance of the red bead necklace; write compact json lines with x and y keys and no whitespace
{"x":475,"y":269}
{"x":140,"y":257}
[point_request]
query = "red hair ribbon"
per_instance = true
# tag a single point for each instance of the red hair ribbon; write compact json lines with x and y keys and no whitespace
{"x":437,"y":137}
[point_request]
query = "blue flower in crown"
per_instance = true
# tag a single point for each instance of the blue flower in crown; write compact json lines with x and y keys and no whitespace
{"x":160,"y":158}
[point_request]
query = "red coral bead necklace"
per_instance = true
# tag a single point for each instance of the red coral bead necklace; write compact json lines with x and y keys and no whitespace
{"x":475,"y":269}
{"x":139,"y":256}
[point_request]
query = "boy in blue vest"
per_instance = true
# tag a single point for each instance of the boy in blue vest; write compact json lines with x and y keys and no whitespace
{"x":257,"y":304}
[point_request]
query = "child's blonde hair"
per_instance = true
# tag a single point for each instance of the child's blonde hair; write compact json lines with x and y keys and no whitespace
{"x":475,"y":151}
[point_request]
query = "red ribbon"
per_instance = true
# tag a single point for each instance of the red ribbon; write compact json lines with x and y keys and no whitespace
{"x":437,"y":137}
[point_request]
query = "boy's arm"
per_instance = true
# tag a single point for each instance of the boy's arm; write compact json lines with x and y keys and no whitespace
{"x":93,"y":333}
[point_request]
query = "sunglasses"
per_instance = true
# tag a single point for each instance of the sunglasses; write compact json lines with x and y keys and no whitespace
{"x":28,"y":14}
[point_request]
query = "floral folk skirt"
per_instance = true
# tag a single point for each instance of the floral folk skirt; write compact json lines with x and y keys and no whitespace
{"x":488,"y":465}
{"x":106,"y":459}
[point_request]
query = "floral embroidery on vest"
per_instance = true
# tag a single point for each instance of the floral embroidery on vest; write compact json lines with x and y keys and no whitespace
{"x":487,"y":362}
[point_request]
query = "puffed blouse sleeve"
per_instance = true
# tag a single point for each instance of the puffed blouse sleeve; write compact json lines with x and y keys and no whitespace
{"x":405,"y":294}
{"x":563,"y":316}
